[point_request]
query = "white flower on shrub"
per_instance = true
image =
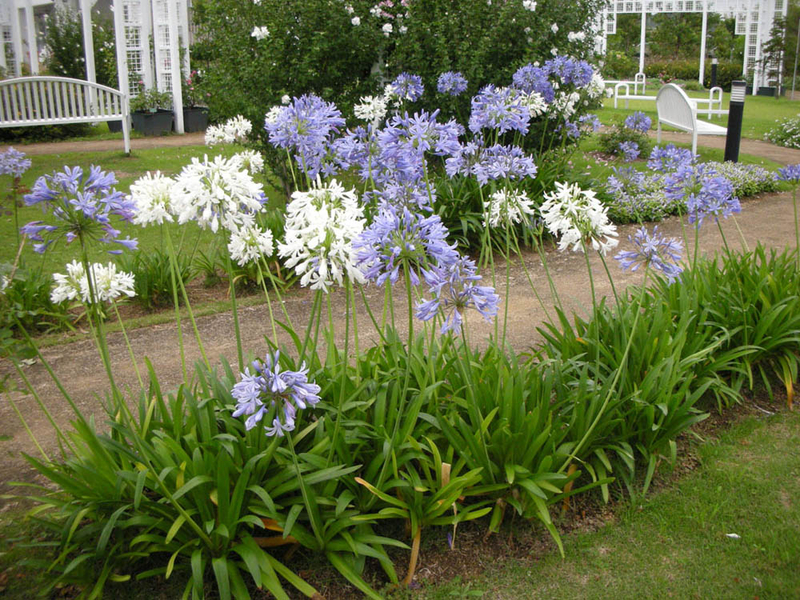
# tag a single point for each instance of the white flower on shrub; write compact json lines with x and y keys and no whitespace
{"x":109,"y":284}
{"x":216,"y":192}
{"x":235,"y":129}
{"x":321,"y":225}
{"x":286,"y":99}
{"x":153,"y":197}
{"x":574,"y":216}
{"x":506,"y":207}
{"x":249,"y":160}
{"x":249,"y":243}
{"x":554,"y":51}
{"x":260,"y":33}
{"x":387,"y":29}
{"x":356,"y":21}
{"x":554,"y":28}
{"x":529,"y":5}
{"x":371,"y":108}
{"x":576,"y":36}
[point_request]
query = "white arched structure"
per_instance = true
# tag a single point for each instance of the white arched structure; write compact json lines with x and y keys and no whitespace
{"x":754,"y":19}
{"x":136,"y":22}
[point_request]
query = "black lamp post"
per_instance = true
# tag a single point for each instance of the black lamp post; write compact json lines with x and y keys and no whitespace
{"x":735,"y":114}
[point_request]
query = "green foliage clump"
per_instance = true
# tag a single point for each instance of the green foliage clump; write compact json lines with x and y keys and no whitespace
{"x":617,"y":134}
{"x":689,"y":70}
{"x":153,"y":276}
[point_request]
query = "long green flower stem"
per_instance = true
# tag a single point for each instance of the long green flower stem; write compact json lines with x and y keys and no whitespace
{"x":316,"y":308}
{"x":269,"y":304}
{"x":234,"y":307}
{"x":617,"y":375}
{"x":530,"y":280}
{"x":508,"y":285}
{"x":28,"y":429}
{"x":177,"y":278}
{"x":477,"y":415}
{"x":277,"y":290}
{"x":313,"y":515}
{"x":610,"y":278}
{"x":351,"y":298}
{"x":59,"y":434}
{"x":551,"y":283}
{"x":173,"y":276}
{"x":594,"y":303}
{"x":370,"y":314}
{"x":745,"y":245}
{"x":128,"y":344}
{"x":344,"y":365}
{"x":406,"y":381}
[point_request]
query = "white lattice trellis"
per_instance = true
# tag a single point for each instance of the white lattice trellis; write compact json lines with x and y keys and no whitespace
{"x":754,"y":20}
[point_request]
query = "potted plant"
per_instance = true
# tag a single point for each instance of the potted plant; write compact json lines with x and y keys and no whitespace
{"x":195,"y":116}
{"x":149,"y":112}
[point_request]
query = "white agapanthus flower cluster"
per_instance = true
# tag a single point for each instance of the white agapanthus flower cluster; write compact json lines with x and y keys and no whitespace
{"x":597,"y":86}
{"x":216,"y":192}
{"x":535,"y":102}
{"x":109,"y":284}
{"x":506,"y":207}
{"x":576,"y":216}
{"x":249,"y":242}
{"x":260,"y":33}
{"x":563,"y":105}
{"x":529,"y":5}
{"x":321,"y":225}
{"x":372,"y":109}
{"x":235,"y":129}
{"x":153,"y":197}
{"x":272,"y":114}
{"x":249,"y":160}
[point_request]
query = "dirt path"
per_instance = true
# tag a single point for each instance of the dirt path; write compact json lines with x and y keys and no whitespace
{"x":768,"y":219}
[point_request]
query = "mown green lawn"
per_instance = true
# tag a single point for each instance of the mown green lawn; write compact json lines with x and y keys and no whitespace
{"x":761,"y":113}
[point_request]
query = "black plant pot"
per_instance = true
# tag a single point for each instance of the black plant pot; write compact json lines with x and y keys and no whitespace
{"x":195,"y":119}
{"x":152,"y":123}
{"x":766,"y":91}
{"x":115,"y":126}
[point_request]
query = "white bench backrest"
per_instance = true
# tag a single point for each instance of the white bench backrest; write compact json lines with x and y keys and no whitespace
{"x":58,"y":99}
{"x":674,"y":107}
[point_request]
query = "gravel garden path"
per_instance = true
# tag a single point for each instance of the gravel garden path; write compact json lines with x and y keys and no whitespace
{"x":768,"y":219}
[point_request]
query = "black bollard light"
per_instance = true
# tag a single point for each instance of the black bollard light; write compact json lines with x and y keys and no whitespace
{"x":714,"y":66}
{"x":738,"y":92}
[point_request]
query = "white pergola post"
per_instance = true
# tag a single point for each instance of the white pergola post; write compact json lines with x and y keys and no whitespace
{"x":703,"y":33}
{"x":33,"y":47}
{"x":146,"y":16}
{"x":642,"y":38}
{"x":120,"y":46}
{"x":175,"y":65}
{"x":88,"y":40}
{"x":16,"y":38}
{"x":184,"y":22}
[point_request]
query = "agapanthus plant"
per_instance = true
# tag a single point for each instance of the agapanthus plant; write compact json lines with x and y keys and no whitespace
{"x":506,"y":208}
{"x":494,"y":162}
{"x":234,"y":130}
{"x":638,"y":121}
{"x":249,"y":243}
{"x":669,"y":158}
{"x":268,"y":391}
{"x":321,"y":226}
{"x":405,"y":87}
{"x":108,"y":283}
{"x":629,"y":151}
{"x":454,"y":289}
{"x":250,"y":161}
{"x":654,"y":251}
{"x":304,"y":128}
{"x":152,"y":197}
{"x":705,"y":192}
{"x":399,"y":238}
{"x":499,"y":108}
{"x":83,"y":207}
{"x":215,"y":192}
{"x":577,"y":217}
{"x":451,"y":83}
{"x":14,"y":163}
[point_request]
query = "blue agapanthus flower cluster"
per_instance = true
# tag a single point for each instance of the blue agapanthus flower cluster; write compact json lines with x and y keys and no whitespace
{"x":589,"y":122}
{"x":270,"y":391}
{"x":669,"y":158}
{"x":531,"y":79}
{"x":305,"y":127}
{"x":638,"y":121}
{"x":706,"y":193}
{"x":495,"y":162}
{"x":84,"y":206}
{"x":570,"y":70}
{"x":454,"y":289}
{"x":407,"y":87}
{"x":452,"y":83}
{"x":14,"y":163}
{"x":502,"y":109}
{"x":629,"y":151}
{"x":790,"y":174}
{"x":653,"y":250}
{"x":417,"y":135}
{"x":399,"y":238}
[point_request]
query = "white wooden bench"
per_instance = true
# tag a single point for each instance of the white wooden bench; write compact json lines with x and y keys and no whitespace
{"x":714,"y":100}
{"x":627,"y":96}
{"x":27,"y":101}
{"x":638,"y":79}
{"x":677,"y":110}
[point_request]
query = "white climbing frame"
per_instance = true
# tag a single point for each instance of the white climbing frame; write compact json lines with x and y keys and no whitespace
{"x":754,"y":20}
